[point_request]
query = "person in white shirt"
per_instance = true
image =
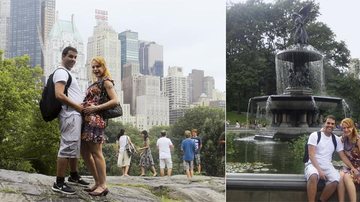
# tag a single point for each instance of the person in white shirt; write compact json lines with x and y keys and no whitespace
{"x":70,"y":121}
{"x":123,"y":157}
{"x":165,"y":146}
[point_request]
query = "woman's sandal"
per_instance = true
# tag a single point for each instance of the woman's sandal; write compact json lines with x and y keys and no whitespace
{"x":90,"y":189}
{"x":103,"y":193}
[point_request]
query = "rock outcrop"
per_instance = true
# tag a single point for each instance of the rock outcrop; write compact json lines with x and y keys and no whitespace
{"x":22,"y":186}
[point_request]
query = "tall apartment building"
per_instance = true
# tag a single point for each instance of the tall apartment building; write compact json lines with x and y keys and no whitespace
{"x":129,"y":48}
{"x":26,"y":28}
{"x":129,"y":82}
{"x":4,"y":23}
{"x":175,"y":88}
{"x":64,"y":33}
{"x":104,"y":42}
{"x":151,"y":105}
{"x":209,"y":86}
{"x":151,"y":59}
{"x":196,"y":80}
{"x":48,"y":17}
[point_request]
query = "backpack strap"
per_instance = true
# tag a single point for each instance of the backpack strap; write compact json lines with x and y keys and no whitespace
{"x":68,"y":82}
{"x":319,"y":137}
{"x":67,"y":85}
{"x":334,"y":140}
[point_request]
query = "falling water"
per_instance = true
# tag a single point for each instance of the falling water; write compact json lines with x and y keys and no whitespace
{"x":316,"y":108}
{"x":346,"y":108}
{"x":247,"y":114}
{"x":267,"y":109}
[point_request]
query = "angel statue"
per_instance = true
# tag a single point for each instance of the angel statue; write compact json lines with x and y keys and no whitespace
{"x":300,"y":19}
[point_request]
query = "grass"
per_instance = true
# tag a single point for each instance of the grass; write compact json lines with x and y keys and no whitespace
{"x":233,"y":116}
{"x":8,"y":190}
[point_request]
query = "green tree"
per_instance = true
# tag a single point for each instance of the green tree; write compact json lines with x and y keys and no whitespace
{"x":27,"y":142}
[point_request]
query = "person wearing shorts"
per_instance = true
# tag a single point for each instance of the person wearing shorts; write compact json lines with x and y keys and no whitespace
{"x":319,"y":166}
{"x":70,"y":123}
{"x":188,"y":148}
{"x":124,"y":159}
{"x":165,"y":146}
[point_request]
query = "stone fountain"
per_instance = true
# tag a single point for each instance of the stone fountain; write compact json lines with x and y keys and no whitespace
{"x":300,"y":103}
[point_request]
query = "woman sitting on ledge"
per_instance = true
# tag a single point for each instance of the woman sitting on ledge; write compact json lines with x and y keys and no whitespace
{"x":348,"y":179}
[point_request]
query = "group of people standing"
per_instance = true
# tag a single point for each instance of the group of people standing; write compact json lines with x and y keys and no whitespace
{"x":190,"y":147}
{"x":146,"y":159}
{"x":319,"y":167}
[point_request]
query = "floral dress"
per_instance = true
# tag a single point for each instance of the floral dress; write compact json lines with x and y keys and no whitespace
{"x":146,"y":159}
{"x":93,"y":127}
{"x":352,"y":152}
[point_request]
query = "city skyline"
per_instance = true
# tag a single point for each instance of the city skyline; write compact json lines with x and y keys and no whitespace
{"x":192,"y":34}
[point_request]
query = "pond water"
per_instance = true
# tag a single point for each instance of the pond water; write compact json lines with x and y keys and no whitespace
{"x":264,"y":156}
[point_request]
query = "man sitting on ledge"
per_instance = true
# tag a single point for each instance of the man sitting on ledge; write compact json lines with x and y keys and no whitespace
{"x":319,"y":166}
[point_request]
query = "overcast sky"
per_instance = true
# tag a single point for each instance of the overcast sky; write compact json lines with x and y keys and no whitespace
{"x":192,"y":32}
{"x":343,"y":19}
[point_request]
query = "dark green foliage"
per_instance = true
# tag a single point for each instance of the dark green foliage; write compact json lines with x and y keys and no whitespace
{"x":297,"y":147}
{"x":27,"y":142}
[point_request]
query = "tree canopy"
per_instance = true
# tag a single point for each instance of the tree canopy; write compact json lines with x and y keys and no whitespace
{"x":27,"y":142}
{"x":256,"y":31}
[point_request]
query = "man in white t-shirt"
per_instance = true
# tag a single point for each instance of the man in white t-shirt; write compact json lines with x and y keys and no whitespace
{"x":70,"y":123}
{"x":165,"y":145}
{"x":319,"y":166}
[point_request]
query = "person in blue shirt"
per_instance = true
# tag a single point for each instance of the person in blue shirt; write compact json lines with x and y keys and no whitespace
{"x":188,"y":148}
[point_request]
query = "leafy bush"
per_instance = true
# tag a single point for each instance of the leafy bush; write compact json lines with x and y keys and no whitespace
{"x":298,"y":147}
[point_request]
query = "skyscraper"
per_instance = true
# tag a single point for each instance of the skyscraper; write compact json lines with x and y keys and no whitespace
{"x":175,"y":88}
{"x":47,"y":18}
{"x":196,"y":80}
{"x":104,"y":42}
{"x":27,"y":30}
{"x":4,"y":23}
{"x":129,"y":48}
{"x":151,"y":59}
{"x":209,"y":86}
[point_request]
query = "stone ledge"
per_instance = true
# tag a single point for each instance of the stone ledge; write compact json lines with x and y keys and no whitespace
{"x":269,"y":187}
{"x":265,"y":181}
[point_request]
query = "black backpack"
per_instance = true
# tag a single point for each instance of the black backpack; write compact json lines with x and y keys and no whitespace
{"x":306,"y":153}
{"x":50,"y":107}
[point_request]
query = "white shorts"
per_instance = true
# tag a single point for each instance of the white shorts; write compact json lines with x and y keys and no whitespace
{"x":123,"y":159}
{"x":165,"y":162}
{"x":331,"y":173}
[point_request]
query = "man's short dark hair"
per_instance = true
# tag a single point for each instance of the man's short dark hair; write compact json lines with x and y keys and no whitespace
{"x":163,"y":133}
{"x":330,"y":117}
{"x":67,"y":49}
